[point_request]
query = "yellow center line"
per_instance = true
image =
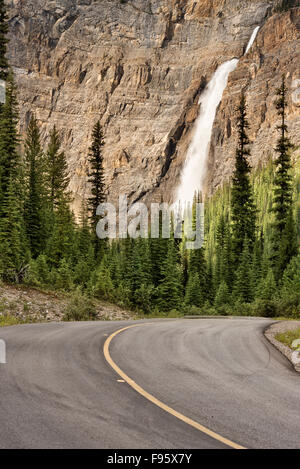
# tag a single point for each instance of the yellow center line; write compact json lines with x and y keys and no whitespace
{"x":157,"y":402}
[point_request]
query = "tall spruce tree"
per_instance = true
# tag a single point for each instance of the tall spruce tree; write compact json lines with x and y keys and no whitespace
{"x":3,"y":41}
{"x":267,"y":288}
{"x":9,"y":155}
{"x":141,"y":275}
{"x":284,"y":235}
{"x":244,"y":290}
{"x":56,"y":170}
{"x":223,"y":270}
{"x":242,"y":202}
{"x":170,"y":289}
{"x":198,"y":268}
{"x":96,"y":181}
{"x":84,"y":250}
{"x":290,"y":287}
{"x":34,"y":203}
{"x":158,"y":253}
{"x":62,"y":236}
{"x":194,"y":294}
{"x":13,"y":246}
{"x":61,"y":244}
{"x":114,"y":257}
{"x":222,"y":296}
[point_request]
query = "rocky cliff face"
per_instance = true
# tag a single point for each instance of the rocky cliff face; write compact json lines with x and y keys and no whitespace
{"x":139,"y":66}
{"x":276,"y":52}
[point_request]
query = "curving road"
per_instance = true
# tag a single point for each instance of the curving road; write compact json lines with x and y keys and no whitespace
{"x":58,"y":391}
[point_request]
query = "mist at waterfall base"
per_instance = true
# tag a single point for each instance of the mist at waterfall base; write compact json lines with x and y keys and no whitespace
{"x":195,"y":167}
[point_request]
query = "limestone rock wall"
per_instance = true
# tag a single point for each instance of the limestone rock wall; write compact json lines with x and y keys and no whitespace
{"x":276,"y":52}
{"x":139,"y":66}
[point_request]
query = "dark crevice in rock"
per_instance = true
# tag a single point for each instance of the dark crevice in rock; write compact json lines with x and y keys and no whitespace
{"x":139,"y":197}
{"x":119,"y":72}
{"x":228,"y":128}
{"x":169,"y":33}
{"x":171,"y":147}
{"x":171,"y":24}
{"x":82,"y":76}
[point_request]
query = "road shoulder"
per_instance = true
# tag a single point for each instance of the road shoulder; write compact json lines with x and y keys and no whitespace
{"x":280,"y":327}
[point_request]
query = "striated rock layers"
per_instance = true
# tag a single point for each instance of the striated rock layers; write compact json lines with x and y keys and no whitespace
{"x":139,"y":66}
{"x":275,"y":52}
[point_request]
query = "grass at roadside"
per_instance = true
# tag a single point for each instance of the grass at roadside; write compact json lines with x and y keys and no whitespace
{"x":9,"y":320}
{"x":158,"y":314}
{"x":288,"y":337}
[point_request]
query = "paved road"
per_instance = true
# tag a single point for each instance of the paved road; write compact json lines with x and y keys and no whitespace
{"x":57,"y":390}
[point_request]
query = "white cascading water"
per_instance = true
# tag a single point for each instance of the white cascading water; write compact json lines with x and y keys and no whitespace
{"x":252,"y":39}
{"x":196,"y":162}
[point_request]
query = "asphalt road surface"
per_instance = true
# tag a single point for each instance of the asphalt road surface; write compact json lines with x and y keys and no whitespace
{"x":58,"y":391}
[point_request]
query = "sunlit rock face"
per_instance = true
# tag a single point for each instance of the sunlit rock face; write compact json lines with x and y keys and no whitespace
{"x":276,"y":52}
{"x":140,"y":66}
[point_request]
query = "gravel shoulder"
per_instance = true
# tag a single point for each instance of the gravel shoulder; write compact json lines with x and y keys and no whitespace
{"x":281,"y":327}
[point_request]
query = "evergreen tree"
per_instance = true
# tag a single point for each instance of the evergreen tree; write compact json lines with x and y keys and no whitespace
{"x":38,"y":272}
{"x":198,"y":275}
{"x":3,"y":41}
{"x":104,"y":287}
{"x":9,"y":155}
{"x":114,"y":256}
{"x":13,"y":249}
{"x":62,"y":242}
{"x":56,"y":170}
{"x":260,"y":261}
{"x":284,"y":236}
{"x":64,"y":277}
{"x":222,"y":296}
{"x":244,"y":288}
{"x":185,"y":267}
{"x":242,"y":203}
{"x":142,"y":262}
{"x":84,"y":238}
{"x":267,"y":289}
{"x":84,"y":258}
{"x":224,"y":261}
{"x":96,"y":180}
{"x":34,"y":160}
{"x":140,"y":276}
{"x":291,"y":279}
{"x":194,"y":295}
{"x":126,"y":253}
{"x":288,"y":246}
{"x":170,"y":289}
{"x":210,"y":283}
{"x":158,"y":253}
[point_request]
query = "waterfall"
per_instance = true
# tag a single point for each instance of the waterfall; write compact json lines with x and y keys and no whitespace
{"x":252,"y":39}
{"x":195,"y":166}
